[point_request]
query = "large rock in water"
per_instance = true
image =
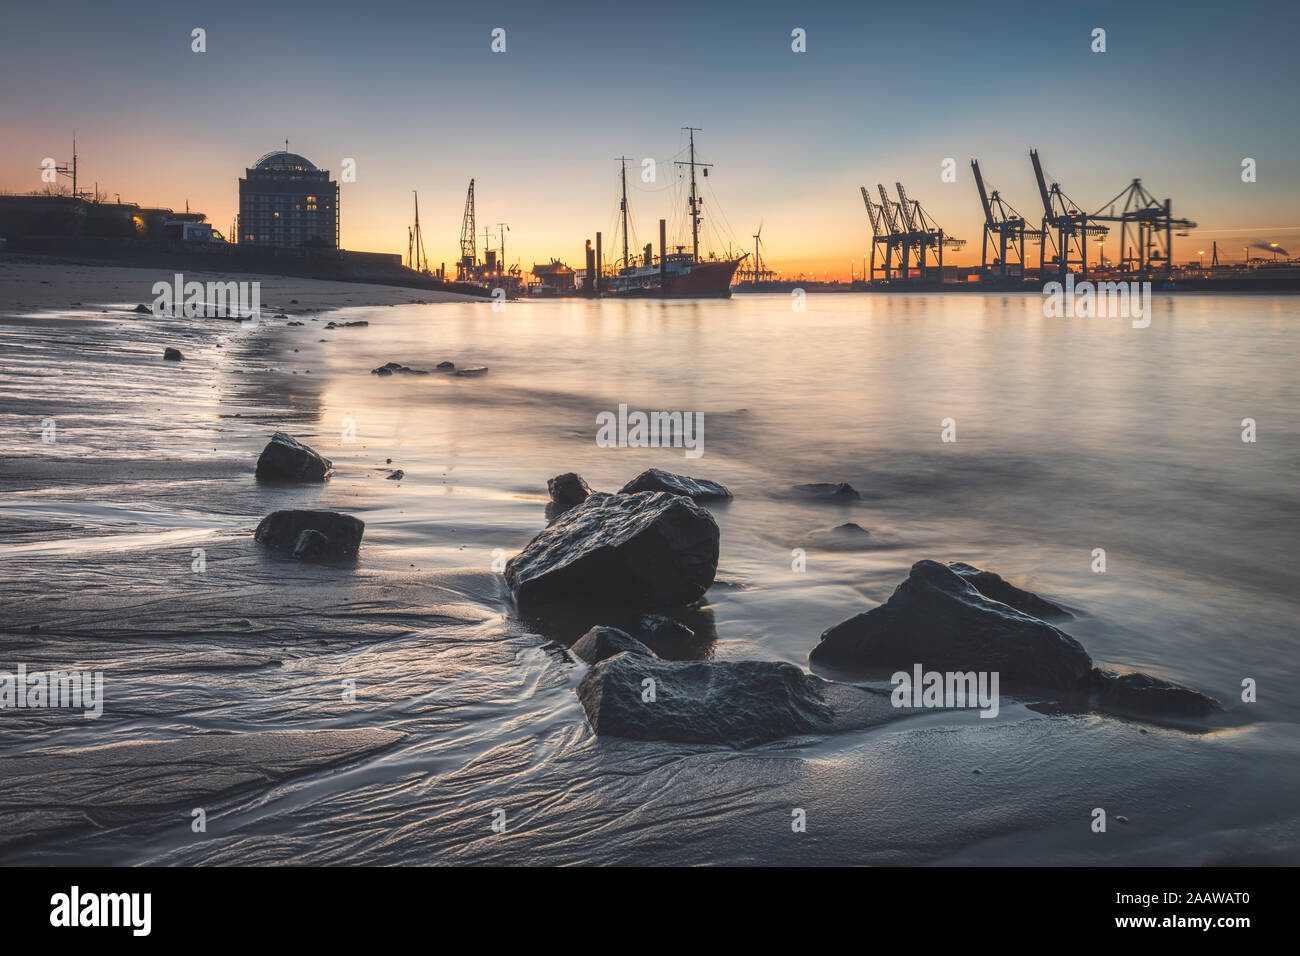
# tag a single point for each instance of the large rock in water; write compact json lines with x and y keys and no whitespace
{"x":286,"y":459}
{"x":283,"y":531}
{"x":994,"y":586}
{"x":655,"y":479}
{"x":641,"y":551}
{"x":938,"y":619}
{"x":734,"y":702}
{"x":737,"y":703}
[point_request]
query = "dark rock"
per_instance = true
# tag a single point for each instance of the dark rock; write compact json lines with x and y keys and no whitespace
{"x":142,"y":308}
{"x":283,"y":531}
{"x":472,"y":370}
{"x":445,"y":366}
{"x":845,"y":537}
{"x":656,"y":479}
{"x":1142,"y":694}
{"x":994,"y":586}
{"x":285,"y":459}
{"x":657,"y":627}
{"x":311,"y":545}
{"x":645,"y":550}
{"x":603,"y":642}
{"x":397,"y":475}
{"x":826,"y":491}
{"x":172,"y":355}
{"x":741,"y":703}
{"x":391,"y":367}
{"x":567,"y":491}
{"x":940,"y":620}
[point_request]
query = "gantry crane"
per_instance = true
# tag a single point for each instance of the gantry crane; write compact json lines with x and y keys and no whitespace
{"x":1071,"y":224}
{"x":468,"y":254}
{"x":1005,"y":229}
{"x":923,"y":233}
{"x":885,"y":235}
{"x":1148,"y":217}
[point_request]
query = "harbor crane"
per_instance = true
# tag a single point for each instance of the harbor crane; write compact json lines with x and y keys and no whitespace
{"x":924,"y":234}
{"x":1148,"y":218}
{"x":468,"y":254}
{"x":1072,"y":227}
{"x":1005,"y":229}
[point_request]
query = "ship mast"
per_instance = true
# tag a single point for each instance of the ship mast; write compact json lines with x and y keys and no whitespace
{"x":695,"y":201}
{"x":623,"y":160}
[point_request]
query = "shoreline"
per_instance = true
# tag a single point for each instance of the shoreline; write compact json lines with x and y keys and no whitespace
{"x":29,"y":285}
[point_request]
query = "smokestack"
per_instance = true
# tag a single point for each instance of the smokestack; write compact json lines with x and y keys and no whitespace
{"x":663,"y":257}
{"x":599,"y":261}
{"x":648,"y":247}
{"x":591,"y":270}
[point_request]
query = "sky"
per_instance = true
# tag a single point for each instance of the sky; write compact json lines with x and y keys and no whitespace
{"x":414,"y":93}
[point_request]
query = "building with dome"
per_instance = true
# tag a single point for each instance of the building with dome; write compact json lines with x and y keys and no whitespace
{"x":286,"y":202}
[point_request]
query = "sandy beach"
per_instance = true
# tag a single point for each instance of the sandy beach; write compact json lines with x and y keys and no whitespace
{"x":41,"y":284}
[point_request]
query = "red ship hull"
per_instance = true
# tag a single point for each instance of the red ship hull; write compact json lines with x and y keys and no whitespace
{"x":710,"y":279}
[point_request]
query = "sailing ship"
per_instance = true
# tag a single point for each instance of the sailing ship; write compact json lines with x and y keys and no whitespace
{"x":679,"y":274}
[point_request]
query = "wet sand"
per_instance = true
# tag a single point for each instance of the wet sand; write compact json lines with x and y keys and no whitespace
{"x":154,"y":460}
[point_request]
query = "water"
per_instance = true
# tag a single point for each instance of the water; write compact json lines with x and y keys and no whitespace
{"x":1072,"y":434}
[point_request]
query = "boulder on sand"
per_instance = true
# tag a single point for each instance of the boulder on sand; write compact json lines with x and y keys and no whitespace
{"x":642,"y":551}
{"x":286,"y":459}
{"x":601,"y":643}
{"x":567,"y":491}
{"x":172,"y":355}
{"x":994,"y":586}
{"x":940,"y":620}
{"x":937,"y":618}
{"x":655,"y":479}
{"x":737,"y":703}
{"x":283,"y":531}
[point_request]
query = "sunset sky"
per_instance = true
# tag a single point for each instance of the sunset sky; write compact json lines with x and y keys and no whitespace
{"x":414,"y":93}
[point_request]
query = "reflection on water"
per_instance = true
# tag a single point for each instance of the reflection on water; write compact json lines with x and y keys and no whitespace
{"x":1072,"y":435}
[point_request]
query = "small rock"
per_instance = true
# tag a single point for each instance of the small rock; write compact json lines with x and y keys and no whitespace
{"x":601,"y":643}
{"x":282,"y":530}
{"x":142,"y":308}
{"x":172,"y":355}
{"x":286,"y":459}
{"x":472,"y":370}
{"x":567,"y":491}
{"x":1119,"y":818}
{"x":826,"y":491}
{"x":658,"y":627}
{"x":846,"y":537}
{"x":397,"y":475}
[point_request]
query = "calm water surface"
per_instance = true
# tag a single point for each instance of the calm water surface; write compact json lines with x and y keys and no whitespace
{"x":1072,"y":435}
